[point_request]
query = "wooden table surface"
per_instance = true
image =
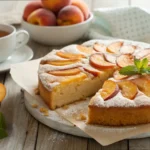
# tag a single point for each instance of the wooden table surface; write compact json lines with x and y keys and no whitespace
{"x":26,"y":133}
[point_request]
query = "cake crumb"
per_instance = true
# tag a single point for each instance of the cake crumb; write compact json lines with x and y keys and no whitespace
{"x":34,"y":105}
{"x":36,"y":91}
{"x":43,"y":110}
{"x":65,"y":107}
{"x":81,"y":117}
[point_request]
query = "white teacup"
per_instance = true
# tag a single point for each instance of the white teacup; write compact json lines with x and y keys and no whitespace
{"x":11,"y":42}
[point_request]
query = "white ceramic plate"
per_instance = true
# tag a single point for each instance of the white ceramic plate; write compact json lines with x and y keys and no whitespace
{"x":57,"y":122}
{"x":25,"y":53}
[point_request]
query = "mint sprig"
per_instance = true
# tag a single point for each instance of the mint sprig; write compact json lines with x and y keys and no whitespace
{"x":139,"y":67}
{"x":3,"y":132}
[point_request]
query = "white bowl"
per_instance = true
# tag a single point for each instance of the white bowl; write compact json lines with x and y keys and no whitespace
{"x":57,"y":35}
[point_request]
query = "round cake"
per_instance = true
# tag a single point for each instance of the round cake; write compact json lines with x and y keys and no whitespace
{"x":76,"y":72}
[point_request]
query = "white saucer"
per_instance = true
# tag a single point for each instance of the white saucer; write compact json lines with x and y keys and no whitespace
{"x":25,"y":53}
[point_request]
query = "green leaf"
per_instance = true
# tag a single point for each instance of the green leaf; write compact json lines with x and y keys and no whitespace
{"x":138,"y":63}
{"x":129,"y":70}
{"x":144,"y":63}
{"x":2,"y":121}
{"x":145,"y":70}
{"x":3,"y":133}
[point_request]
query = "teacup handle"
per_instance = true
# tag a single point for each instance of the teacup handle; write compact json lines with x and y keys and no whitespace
{"x":25,"y":39}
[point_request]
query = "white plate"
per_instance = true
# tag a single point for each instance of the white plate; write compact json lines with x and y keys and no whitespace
{"x":25,"y":53}
{"x":55,"y":121}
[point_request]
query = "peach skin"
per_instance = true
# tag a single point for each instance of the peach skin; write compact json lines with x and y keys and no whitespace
{"x":42,"y":17}
{"x":55,"y":5}
{"x":69,"y":15}
{"x":30,"y":7}
{"x":83,"y":7}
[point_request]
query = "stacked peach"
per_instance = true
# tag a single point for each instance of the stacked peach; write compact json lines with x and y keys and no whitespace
{"x":56,"y":12}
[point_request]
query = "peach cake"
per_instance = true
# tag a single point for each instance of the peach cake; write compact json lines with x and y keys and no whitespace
{"x":76,"y":72}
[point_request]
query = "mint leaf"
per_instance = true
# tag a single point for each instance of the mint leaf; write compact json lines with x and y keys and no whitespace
{"x":145,"y":70}
{"x":129,"y":70}
{"x":144,"y":63}
{"x":3,"y":133}
{"x":137,"y":63}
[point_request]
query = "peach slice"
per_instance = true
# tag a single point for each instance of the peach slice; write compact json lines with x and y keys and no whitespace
{"x":125,"y":60}
{"x":128,"y":89}
{"x":2,"y":92}
{"x":109,"y":89}
{"x":142,"y":53}
{"x":69,"y":55}
{"x":98,"y":61}
{"x":119,"y":76}
{"x":99,"y":47}
{"x":143,"y":85}
{"x":61,"y":62}
{"x":66,"y":72}
{"x":92,"y":70}
{"x":110,"y":58}
{"x":114,"y":47}
{"x":84,"y":49}
{"x":127,"y":49}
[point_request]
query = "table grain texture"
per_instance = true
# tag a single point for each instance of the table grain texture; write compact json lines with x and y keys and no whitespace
{"x":26,"y":133}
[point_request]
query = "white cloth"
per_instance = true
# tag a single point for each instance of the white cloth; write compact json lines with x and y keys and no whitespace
{"x":127,"y":23}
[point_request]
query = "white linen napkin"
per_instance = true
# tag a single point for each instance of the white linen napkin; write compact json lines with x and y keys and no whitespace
{"x":11,"y":11}
{"x":131,"y":23}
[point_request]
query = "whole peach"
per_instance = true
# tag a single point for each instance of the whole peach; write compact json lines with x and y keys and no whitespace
{"x":42,"y":17}
{"x":30,"y":7}
{"x":69,"y":15}
{"x":55,"y":5}
{"x":83,"y":6}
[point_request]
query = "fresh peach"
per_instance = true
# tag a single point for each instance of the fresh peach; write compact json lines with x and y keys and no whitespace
{"x":55,"y":5}
{"x":125,"y":60}
{"x":98,"y":61}
{"x":42,"y":17}
{"x":83,"y":7}
{"x":109,"y":89}
{"x":114,"y":47}
{"x":128,"y":89}
{"x":67,"y":72}
{"x":61,"y":62}
{"x":30,"y":7}
{"x":2,"y":92}
{"x":70,"y":15}
{"x":69,"y":55}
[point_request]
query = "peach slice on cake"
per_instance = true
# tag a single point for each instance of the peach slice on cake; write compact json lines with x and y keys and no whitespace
{"x":98,"y":47}
{"x":109,"y":89}
{"x":143,"y":85}
{"x":125,"y":60}
{"x":142,"y":53}
{"x":69,"y":55}
{"x":84,"y":49}
{"x":119,"y":76}
{"x":110,"y":58}
{"x":98,"y":61}
{"x":128,"y":89}
{"x":66,"y":72}
{"x":61,"y":62}
{"x":92,"y":70}
{"x":127,"y":49}
{"x":2,"y":92}
{"x":114,"y":47}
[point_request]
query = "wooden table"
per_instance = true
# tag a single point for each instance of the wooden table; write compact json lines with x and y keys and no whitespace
{"x":26,"y":133}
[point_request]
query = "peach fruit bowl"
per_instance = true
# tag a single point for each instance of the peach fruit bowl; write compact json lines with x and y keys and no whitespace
{"x":57,"y":35}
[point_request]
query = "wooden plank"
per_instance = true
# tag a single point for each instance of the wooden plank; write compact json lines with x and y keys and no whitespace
{"x":16,"y":117}
{"x":93,"y":145}
{"x":49,"y":139}
{"x":139,"y":144}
